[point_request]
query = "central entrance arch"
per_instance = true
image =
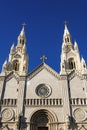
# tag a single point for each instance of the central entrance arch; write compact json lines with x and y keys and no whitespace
{"x":43,"y":120}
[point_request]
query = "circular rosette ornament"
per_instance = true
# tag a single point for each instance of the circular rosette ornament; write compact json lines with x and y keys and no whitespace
{"x":43,"y":90}
{"x":7,"y":114}
{"x":79,"y":114}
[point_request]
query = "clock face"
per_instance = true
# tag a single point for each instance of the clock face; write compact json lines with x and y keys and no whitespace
{"x":43,"y":90}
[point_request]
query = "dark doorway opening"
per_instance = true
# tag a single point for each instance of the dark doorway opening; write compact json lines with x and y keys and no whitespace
{"x":42,"y":128}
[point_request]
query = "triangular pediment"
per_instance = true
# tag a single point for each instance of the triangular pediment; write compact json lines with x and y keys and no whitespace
{"x":76,"y":73}
{"x":4,"y":128}
{"x":12,"y":75}
{"x":71,"y":53}
{"x":17,"y":56}
{"x":40,"y":68}
{"x":82,"y":128}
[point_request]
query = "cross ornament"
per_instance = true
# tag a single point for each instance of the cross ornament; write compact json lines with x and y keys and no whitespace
{"x":65,"y":22}
{"x":24,"y":24}
{"x":43,"y":58}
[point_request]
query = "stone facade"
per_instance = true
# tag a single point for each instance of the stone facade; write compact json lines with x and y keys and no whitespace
{"x":43,"y":99}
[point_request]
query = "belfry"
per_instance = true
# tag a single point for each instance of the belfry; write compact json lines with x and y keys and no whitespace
{"x":43,"y":99}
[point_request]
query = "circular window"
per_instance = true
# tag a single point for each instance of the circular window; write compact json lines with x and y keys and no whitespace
{"x":43,"y":90}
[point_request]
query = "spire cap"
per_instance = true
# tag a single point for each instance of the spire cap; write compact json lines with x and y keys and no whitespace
{"x":66,"y":31}
{"x":82,"y":60}
{"x":75,"y":45}
{"x":23,"y":30}
{"x":12,"y":47}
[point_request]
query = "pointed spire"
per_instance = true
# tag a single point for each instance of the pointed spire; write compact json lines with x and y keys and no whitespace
{"x":21,"y":39}
{"x":6,"y":61}
{"x":4,"y":67}
{"x":66,"y":31}
{"x":23,"y":31}
{"x":82,"y":60}
{"x":12,"y":48}
{"x":76,"y":46}
{"x":83,"y":63}
{"x":66,"y":35}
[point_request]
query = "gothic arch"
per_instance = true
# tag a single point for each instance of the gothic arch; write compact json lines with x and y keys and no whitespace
{"x":43,"y":118}
{"x":4,"y":128}
{"x":71,"y":63}
{"x":16,"y":65}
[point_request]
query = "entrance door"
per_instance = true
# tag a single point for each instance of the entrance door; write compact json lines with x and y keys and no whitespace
{"x":42,"y":128}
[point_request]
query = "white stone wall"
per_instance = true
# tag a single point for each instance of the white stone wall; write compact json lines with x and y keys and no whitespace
{"x":11,"y":89}
{"x":77,"y":88}
{"x":44,"y":77}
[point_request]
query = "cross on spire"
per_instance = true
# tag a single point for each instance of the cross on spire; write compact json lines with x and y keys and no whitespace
{"x":43,"y":58}
{"x":65,"y":22}
{"x":24,"y":24}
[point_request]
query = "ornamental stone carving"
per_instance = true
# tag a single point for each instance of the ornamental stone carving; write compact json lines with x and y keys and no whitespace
{"x":7,"y":114}
{"x":43,"y":90}
{"x":79,"y":114}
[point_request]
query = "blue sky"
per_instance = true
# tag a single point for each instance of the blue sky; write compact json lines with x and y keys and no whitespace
{"x":44,"y":30}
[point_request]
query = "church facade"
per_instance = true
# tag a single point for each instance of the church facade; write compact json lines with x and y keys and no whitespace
{"x":43,"y":99}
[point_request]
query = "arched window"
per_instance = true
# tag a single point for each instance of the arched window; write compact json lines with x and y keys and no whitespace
{"x":71,"y":63}
{"x":23,"y":42}
{"x":67,"y":39}
{"x":16,"y":65}
{"x":20,"y":40}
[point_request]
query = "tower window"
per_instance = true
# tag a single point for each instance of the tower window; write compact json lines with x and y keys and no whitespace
{"x":16,"y":65}
{"x":23,"y":42}
{"x":67,"y":39}
{"x":20,"y":40}
{"x":71,"y":63}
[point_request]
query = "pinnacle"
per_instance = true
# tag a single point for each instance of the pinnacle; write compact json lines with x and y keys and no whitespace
{"x":66,"y":31}
{"x":22,"y":32}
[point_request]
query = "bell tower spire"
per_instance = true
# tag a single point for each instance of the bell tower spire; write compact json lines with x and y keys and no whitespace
{"x":67,"y":40}
{"x":21,"y":38}
{"x":70,"y":57}
{"x":18,"y":58}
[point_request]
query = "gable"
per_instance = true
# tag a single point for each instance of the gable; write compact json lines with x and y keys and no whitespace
{"x":17,"y":56}
{"x":5,"y":128}
{"x":71,"y":54}
{"x":47,"y":78}
{"x":40,"y":68}
{"x":82,"y":128}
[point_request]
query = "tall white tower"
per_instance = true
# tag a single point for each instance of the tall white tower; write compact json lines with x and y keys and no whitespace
{"x":70,"y":56}
{"x":18,"y":58}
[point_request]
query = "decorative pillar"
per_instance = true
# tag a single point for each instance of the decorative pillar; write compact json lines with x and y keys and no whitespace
{"x":2,"y":83}
{"x":20,"y":96}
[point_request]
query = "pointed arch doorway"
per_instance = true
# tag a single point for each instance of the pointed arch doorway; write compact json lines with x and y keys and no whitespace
{"x":43,"y":120}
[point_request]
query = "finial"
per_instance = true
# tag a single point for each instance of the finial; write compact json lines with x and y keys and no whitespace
{"x":43,"y":58}
{"x":66,"y":31}
{"x":23,"y":31}
{"x":24,"y":24}
{"x":65,"y":22}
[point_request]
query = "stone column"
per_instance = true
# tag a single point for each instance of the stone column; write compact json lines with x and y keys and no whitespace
{"x":28,"y":126}
{"x":2,"y":83}
{"x":20,"y":96}
{"x":65,"y":96}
